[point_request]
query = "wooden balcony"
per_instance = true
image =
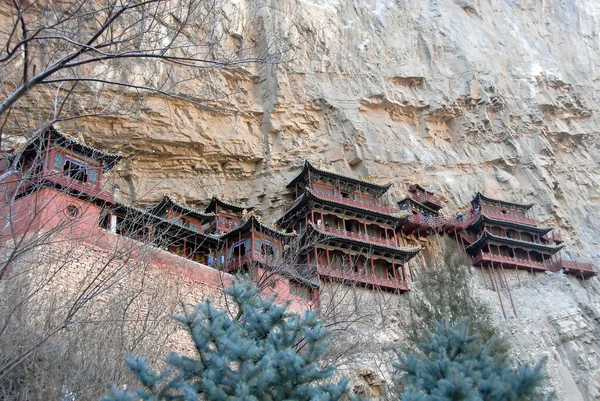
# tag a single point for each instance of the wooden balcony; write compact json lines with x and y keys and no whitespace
{"x":249,"y":258}
{"x":362,"y":279}
{"x":361,"y":237}
{"x":580,"y":269}
{"x":510,"y":217}
{"x":90,"y":189}
{"x":553,"y":238}
{"x":427,"y":199}
{"x":354,"y":202}
{"x":511,"y":262}
{"x":281,"y":267}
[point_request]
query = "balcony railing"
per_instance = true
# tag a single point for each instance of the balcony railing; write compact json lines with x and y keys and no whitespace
{"x":578,"y":266}
{"x":510,"y":217}
{"x":358,"y":236}
{"x":553,"y":238}
{"x":363,"y":278}
{"x":283,"y":268}
{"x":90,"y":189}
{"x":356,"y":202}
{"x":512,"y":261}
{"x":250,"y":257}
{"x":424,"y":197}
{"x":433,"y":221}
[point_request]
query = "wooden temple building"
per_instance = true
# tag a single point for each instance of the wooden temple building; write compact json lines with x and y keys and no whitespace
{"x":351,"y":235}
{"x":502,"y":234}
{"x":424,"y":213}
{"x":345,"y":230}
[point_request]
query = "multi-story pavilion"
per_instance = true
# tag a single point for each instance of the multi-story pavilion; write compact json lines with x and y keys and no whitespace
{"x":352,"y":235}
{"x":502,"y":233}
{"x":424,"y":216}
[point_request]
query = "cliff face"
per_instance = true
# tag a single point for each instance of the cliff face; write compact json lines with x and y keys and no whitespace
{"x":458,"y":95}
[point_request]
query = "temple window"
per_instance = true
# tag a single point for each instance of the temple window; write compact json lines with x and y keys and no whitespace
{"x":75,"y":170}
{"x":239,"y":249}
{"x":267,"y":248}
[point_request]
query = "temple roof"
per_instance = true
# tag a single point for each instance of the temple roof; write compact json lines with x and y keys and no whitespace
{"x":410,"y":252}
{"x":308,"y":195}
{"x":487,"y":236}
{"x":415,"y":187}
{"x":252,"y":221}
{"x":379,"y":189}
{"x":39,"y":142}
{"x":167,"y":203}
{"x":144,"y":217}
{"x":480,"y":196}
{"x":215,"y":201}
{"x":483,"y":218}
{"x":419,"y":204}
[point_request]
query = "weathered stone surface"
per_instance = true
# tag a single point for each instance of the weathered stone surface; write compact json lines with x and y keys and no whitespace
{"x":460,"y":95}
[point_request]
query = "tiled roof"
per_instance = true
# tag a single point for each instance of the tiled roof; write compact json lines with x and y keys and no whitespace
{"x":400,"y":217}
{"x":486,"y":235}
{"x":408,"y":198}
{"x":485,"y":198}
{"x":226,"y":205}
{"x":526,"y":227}
{"x":411,"y":251}
{"x":247,"y":224}
{"x":167,"y":202}
{"x":309,"y":166}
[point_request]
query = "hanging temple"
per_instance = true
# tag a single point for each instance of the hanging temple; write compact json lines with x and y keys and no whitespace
{"x":338,"y":228}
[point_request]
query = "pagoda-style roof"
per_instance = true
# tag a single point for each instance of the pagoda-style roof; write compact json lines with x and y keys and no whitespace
{"x":252,"y":221}
{"x":486,"y":237}
{"x":481,"y":197}
{"x":166,"y":203}
{"x":311,"y":196}
{"x":482,"y":218}
{"x":216,"y":202}
{"x":418,"y":204}
{"x":39,"y":142}
{"x":376,"y":189}
{"x":363,"y":246}
{"x":417,"y":187}
{"x":176,"y":229}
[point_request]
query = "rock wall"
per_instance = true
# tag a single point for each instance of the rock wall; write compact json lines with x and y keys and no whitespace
{"x":458,"y":95}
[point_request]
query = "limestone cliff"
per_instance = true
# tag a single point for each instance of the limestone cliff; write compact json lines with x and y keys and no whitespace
{"x":458,"y":95}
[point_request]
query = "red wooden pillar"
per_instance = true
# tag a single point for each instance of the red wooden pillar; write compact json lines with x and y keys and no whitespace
{"x":252,"y":241}
{"x":226,"y":252}
{"x":365,"y":225}
{"x":327,"y":255}
{"x":317,"y":261}
{"x":372,"y":266}
{"x":394,"y":271}
{"x":239,"y":249}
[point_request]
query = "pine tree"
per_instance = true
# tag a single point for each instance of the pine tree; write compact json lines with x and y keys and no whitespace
{"x":443,"y":292}
{"x":454,"y":365}
{"x":264,"y":353}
